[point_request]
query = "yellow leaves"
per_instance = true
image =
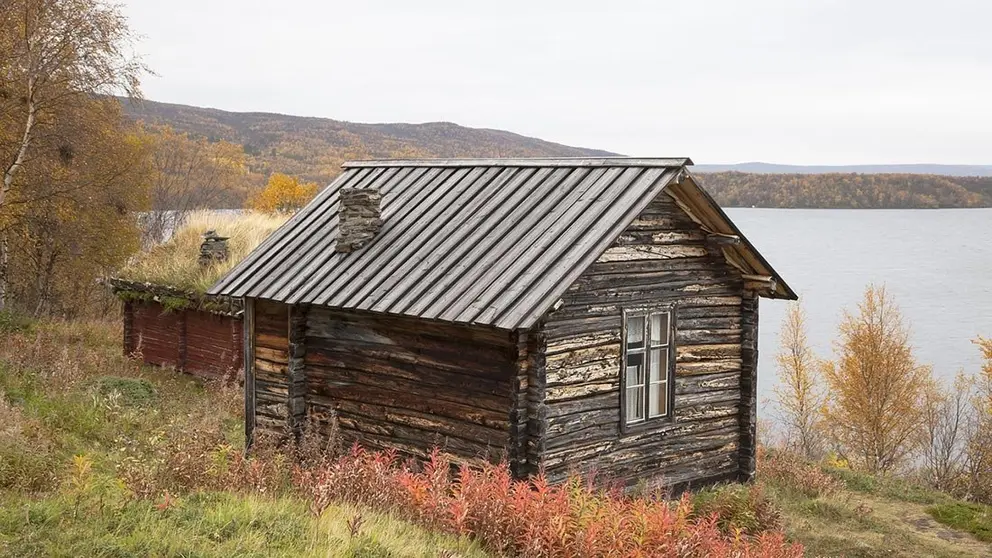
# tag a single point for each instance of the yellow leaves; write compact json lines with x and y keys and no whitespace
{"x":836,"y":462}
{"x":876,"y":387}
{"x":798,"y":393}
{"x":282,"y":194}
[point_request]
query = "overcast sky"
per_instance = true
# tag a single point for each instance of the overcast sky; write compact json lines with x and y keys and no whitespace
{"x":787,"y":81}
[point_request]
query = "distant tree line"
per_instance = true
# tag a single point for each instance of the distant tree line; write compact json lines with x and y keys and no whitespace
{"x":847,"y":191}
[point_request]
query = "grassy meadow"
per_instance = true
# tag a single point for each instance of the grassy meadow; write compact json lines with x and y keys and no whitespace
{"x":100,"y":456}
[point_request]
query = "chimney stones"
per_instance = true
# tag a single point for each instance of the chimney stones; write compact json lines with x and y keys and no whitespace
{"x":213,"y":249}
{"x":358,"y":218}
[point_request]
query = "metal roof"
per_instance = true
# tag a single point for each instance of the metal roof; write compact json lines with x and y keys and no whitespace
{"x":478,"y":241}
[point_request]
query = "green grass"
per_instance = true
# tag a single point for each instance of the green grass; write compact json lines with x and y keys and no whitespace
{"x":879,"y":517}
{"x":965,"y":516}
{"x":14,"y":323}
{"x":209,"y":525}
{"x":887,"y":487}
{"x":77,"y":421}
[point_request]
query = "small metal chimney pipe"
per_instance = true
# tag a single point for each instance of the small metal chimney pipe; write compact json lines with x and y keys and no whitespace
{"x":213,"y":249}
{"x":358,"y":218}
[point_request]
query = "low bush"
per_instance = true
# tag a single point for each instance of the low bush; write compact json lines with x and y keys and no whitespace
{"x":738,"y":508}
{"x":789,"y":471}
{"x":133,"y":392}
{"x":528,"y":518}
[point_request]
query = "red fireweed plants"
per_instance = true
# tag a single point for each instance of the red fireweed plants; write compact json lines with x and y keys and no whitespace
{"x":528,"y":518}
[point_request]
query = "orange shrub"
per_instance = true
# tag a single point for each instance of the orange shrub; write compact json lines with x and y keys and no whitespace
{"x":528,"y":518}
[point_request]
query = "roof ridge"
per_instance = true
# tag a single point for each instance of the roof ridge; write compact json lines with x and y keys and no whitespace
{"x":646,"y":162}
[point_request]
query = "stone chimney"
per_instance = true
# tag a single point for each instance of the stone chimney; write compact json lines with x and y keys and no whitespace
{"x":213,"y":249}
{"x":358,"y":218}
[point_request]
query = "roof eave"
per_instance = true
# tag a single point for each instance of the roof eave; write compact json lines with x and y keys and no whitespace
{"x":690,"y":191}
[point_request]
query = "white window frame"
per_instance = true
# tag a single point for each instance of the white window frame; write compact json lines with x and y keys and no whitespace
{"x":649,"y":351}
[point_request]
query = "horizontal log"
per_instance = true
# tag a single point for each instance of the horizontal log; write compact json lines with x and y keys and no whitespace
{"x":425,"y":423}
{"x":270,"y":367}
{"x":707,"y":382}
{"x":320,"y":319}
{"x":609,"y":400}
{"x":273,"y":342}
{"x":663,"y":451}
{"x":415,"y":399}
{"x":651,"y":252}
{"x":698,"y":353}
{"x":707,"y":367}
{"x":563,"y":344}
{"x":555,"y":394}
{"x":584,"y":372}
{"x":271,"y":355}
{"x":464,"y":361}
{"x":660,"y":237}
{"x":341,"y":366}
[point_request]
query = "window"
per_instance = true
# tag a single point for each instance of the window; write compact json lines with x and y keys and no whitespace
{"x":648,"y":359}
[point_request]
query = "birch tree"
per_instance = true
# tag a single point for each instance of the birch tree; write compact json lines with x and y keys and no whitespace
{"x":799,"y":394}
{"x":55,"y":57}
{"x":876,"y":387}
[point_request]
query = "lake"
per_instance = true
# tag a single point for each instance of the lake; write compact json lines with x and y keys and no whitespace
{"x":937,"y":263}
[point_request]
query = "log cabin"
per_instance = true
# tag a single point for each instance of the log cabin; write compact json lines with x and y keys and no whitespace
{"x":589,"y":316}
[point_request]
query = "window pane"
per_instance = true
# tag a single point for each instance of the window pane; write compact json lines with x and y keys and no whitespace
{"x":659,"y":399}
{"x":635,"y":333}
{"x":659,"y":328}
{"x":635,"y":403}
{"x":659,"y":365}
{"x":635,"y":375}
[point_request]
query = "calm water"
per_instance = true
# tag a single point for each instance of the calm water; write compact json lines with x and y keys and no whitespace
{"x":936,"y":263}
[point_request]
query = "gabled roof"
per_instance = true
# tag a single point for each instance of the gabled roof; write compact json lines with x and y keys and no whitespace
{"x":479,"y":241}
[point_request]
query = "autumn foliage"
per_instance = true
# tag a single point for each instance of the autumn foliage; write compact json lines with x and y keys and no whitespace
{"x":799,"y":394}
{"x":528,"y":518}
{"x":876,"y":387}
{"x":283,"y":194}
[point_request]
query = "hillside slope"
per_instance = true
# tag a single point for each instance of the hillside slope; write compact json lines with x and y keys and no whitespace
{"x":314,"y":148}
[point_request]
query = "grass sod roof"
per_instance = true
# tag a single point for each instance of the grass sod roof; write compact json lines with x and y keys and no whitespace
{"x":174,"y":263}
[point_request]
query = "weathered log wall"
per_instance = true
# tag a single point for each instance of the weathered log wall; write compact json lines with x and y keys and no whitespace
{"x":663,"y":257}
{"x":412,"y":385}
{"x":749,"y":386}
{"x":270,"y":370}
{"x":201,"y":343}
{"x":213,"y":345}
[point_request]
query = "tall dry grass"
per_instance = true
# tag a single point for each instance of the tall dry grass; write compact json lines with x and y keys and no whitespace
{"x":174,"y":263}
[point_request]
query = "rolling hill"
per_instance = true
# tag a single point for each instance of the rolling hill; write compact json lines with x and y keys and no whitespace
{"x":314,"y":148}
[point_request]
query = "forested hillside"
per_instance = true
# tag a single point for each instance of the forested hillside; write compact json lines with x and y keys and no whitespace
{"x":847,"y":191}
{"x":314,"y":148}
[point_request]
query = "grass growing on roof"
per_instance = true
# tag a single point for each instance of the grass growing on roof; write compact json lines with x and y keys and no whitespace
{"x":174,"y":263}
